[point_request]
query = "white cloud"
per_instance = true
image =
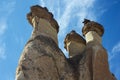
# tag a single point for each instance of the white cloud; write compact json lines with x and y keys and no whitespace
{"x":7,"y":7}
{"x":71,"y":12}
{"x":42,"y":3}
{"x":65,"y":17}
{"x":19,"y":40}
{"x":2,"y":45}
{"x":79,"y":8}
{"x":114,"y":60}
{"x":2,"y":51}
{"x":116,"y":48}
{"x":2,"y":27}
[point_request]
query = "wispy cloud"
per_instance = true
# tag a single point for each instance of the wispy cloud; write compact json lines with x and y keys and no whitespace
{"x":70,"y":12}
{"x":116,"y":48}
{"x":42,"y":3}
{"x":2,"y":51}
{"x":7,"y":7}
{"x":67,"y":10}
{"x":76,"y":8}
{"x":2,"y":27}
{"x":115,"y":51}
{"x":114,"y":59}
{"x":2,"y":44}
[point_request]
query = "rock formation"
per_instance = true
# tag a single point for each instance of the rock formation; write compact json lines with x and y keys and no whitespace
{"x":42,"y":59}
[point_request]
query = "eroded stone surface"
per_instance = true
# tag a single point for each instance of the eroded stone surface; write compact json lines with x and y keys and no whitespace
{"x":43,"y":27}
{"x":73,"y":36}
{"x":74,"y":44}
{"x":92,"y":26}
{"x":99,"y":60}
{"x":42,"y":13}
{"x":42,"y":59}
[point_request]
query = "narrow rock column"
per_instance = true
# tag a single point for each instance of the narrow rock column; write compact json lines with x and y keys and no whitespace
{"x":41,"y":58}
{"x":92,"y":31}
{"x":96,"y":55}
{"x":74,"y":44}
{"x":38,"y":59}
{"x":43,"y":23}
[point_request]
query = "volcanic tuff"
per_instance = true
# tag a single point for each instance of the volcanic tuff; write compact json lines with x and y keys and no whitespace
{"x":42,"y":59}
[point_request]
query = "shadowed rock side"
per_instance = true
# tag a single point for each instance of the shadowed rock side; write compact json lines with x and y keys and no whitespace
{"x":42,"y":59}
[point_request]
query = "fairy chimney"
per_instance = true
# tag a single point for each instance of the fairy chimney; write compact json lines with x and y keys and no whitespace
{"x":74,"y":44}
{"x":43,"y":22}
{"x":92,"y":31}
{"x":95,"y":52}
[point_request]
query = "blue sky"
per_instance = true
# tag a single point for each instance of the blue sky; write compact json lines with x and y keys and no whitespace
{"x":15,"y":29}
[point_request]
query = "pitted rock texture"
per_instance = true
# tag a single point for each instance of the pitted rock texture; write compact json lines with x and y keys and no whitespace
{"x":40,"y":61}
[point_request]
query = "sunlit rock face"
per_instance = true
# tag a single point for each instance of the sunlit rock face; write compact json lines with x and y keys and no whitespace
{"x":42,"y":59}
{"x":74,"y":44}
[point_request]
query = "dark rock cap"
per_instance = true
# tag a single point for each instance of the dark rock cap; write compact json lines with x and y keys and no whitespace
{"x":92,"y":26}
{"x":73,"y":36}
{"x":42,"y":13}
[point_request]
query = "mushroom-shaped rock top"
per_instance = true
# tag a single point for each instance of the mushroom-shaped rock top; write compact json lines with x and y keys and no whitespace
{"x":92,"y":26}
{"x":73,"y":36}
{"x":42,"y":12}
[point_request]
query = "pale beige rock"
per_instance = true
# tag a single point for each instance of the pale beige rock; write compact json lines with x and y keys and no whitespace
{"x":75,"y":48}
{"x":96,"y":56}
{"x":43,"y":13}
{"x":20,"y":76}
{"x":99,"y":68}
{"x":42,"y":59}
{"x":92,"y":31}
{"x":74,"y":44}
{"x":92,"y":36}
{"x":43,"y":27}
{"x":92,"y":26}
